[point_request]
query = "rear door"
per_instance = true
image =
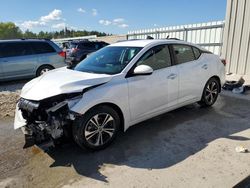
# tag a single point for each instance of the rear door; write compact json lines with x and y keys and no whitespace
{"x":45,"y":54}
{"x":18,"y":59}
{"x":192,"y":72}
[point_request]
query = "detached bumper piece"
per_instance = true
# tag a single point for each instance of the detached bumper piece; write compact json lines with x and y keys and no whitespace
{"x":42,"y":135}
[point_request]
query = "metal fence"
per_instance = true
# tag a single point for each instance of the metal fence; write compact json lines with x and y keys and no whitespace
{"x":74,"y":38}
{"x":208,"y":35}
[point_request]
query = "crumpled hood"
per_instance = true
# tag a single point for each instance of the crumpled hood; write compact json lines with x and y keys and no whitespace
{"x":61,"y":81}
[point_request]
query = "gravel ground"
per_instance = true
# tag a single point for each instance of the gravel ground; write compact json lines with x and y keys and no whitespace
{"x":189,"y":147}
{"x":9,"y":94}
{"x":8,"y":103}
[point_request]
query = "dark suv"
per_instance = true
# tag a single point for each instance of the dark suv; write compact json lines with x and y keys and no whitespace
{"x":80,"y":49}
{"x":26,"y":58}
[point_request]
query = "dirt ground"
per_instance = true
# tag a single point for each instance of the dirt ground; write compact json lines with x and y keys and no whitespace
{"x":189,"y":147}
{"x":8,"y":103}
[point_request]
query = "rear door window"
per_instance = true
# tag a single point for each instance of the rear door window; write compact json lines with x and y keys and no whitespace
{"x":73,"y":45}
{"x":183,"y":53}
{"x":98,"y":46}
{"x":42,"y":47}
{"x":90,"y":46}
{"x":13,"y":49}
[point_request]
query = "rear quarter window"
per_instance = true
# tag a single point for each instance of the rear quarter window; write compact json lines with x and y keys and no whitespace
{"x":42,"y":47}
{"x":197,"y":53}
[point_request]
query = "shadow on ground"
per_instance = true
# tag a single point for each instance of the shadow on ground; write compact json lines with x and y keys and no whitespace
{"x":162,"y":141}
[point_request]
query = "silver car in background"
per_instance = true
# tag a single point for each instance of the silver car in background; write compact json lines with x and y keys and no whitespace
{"x":27,"y":58}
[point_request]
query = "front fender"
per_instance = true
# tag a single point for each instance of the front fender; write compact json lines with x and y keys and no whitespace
{"x":116,"y":94}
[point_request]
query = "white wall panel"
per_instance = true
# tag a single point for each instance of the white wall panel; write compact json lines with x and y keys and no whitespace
{"x":207,"y":34}
{"x":236,"y":38}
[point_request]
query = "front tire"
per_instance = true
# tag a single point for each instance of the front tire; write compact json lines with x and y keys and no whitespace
{"x":97,"y":129}
{"x":210,"y":93}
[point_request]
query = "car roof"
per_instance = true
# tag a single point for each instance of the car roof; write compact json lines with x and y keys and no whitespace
{"x":143,"y":43}
{"x":25,"y":40}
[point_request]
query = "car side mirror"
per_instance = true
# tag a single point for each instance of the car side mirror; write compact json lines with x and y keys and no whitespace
{"x":143,"y":70}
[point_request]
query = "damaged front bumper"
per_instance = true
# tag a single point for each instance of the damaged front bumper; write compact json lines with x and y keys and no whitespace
{"x":44,"y":123}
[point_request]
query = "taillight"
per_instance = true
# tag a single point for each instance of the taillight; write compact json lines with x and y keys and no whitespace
{"x":62,"y":53}
{"x":224,"y":62}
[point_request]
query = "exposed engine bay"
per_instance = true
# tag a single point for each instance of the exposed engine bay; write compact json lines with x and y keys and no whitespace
{"x":48,"y":120}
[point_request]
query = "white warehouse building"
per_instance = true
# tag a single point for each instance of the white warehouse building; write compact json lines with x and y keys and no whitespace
{"x":236,"y":37}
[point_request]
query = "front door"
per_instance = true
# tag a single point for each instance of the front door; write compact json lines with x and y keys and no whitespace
{"x":150,"y":94}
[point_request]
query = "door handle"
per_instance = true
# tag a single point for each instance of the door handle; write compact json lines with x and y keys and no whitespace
{"x":204,"y":66}
{"x":172,"y":76}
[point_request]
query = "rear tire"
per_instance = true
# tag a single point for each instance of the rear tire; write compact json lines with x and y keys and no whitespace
{"x":97,"y":129}
{"x":43,"y":69}
{"x":210,"y":93}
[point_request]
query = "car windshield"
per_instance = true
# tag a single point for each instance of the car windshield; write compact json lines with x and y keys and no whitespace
{"x":108,"y":60}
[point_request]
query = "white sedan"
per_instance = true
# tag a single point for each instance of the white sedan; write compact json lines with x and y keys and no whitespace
{"x":114,"y":88}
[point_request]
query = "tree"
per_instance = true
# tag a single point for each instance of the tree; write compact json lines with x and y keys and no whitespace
{"x":29,"y":34}
{"x":9,"y":30}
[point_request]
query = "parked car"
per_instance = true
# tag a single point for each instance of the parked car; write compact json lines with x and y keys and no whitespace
{"x":26,"y":58}
{"x":116,"y":87}
{"x":80,"y":49}
{"x":63,"y":45}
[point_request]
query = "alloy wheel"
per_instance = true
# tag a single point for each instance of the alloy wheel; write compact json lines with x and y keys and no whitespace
{"x":44,"y":71}
{"x":99,"y":129}
{"x":211,"y":92}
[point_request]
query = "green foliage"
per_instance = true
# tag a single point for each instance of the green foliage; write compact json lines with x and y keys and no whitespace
{"x":29,"y":34}
{"x":72,"y":33}
{"x":9,"y":30}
